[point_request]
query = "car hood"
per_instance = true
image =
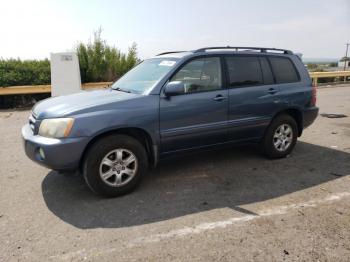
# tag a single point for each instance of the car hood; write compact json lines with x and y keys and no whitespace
{"x":78,"y":103}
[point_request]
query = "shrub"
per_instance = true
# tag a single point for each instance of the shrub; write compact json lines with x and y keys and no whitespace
{"x":101,"y":62}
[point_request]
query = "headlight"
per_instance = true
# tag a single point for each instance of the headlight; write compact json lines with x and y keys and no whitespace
{"x":56,"y":127}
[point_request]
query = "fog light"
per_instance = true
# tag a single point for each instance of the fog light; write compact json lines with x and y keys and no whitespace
{"x":41,"y":153}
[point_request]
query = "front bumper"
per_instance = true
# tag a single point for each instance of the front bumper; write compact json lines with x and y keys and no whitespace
{"x":309,"y":116}
{"x":60,"y":154}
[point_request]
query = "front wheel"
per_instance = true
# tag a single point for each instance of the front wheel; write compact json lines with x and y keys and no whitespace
{"x":281,"y":137}
{"x":114,"y":165}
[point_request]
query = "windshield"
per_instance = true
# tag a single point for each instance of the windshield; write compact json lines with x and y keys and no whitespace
{"x":145,"y":76}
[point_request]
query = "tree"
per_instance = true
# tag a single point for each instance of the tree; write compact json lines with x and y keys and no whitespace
{"x":100,"y":62}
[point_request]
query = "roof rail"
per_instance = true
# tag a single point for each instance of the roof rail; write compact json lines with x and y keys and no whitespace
{"x":171,"y":52}
{"x":240,"y":48}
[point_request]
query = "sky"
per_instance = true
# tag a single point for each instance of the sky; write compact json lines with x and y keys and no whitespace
{"x":32,"y":29}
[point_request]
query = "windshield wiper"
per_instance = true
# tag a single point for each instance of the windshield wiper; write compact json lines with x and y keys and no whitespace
{"x":120,"y":89}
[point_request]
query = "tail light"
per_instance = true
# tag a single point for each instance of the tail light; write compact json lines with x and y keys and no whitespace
{"x":313,"y":97}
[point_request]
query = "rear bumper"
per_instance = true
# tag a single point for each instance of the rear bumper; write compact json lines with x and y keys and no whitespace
{"x":60,"y":154}
{"x":309,"y":116}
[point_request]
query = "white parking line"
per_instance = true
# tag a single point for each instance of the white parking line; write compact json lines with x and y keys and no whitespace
{"x":200,"y":228}
{"x":278,"y":210}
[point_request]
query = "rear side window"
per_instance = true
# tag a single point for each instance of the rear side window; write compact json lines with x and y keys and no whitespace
{"x":284,"y":70}
{"x":244,"y":71}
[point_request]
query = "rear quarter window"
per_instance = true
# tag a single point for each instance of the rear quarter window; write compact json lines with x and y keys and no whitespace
{"x":284,"y":70}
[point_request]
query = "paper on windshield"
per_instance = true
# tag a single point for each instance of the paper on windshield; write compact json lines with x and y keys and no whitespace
{"x":167,"y":63}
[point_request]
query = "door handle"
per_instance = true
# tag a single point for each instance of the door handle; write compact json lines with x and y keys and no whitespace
{"x":219,"y":98}
{"x":272,"y":91}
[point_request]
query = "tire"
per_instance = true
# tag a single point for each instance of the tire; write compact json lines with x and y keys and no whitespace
{"x":270,"y":144}
{"x":115,"y":152}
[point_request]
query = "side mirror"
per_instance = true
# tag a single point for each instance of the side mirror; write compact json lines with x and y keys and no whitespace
{"x":174,"y":88}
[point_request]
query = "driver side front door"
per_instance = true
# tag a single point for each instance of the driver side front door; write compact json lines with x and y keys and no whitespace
{"x":198,"y":117}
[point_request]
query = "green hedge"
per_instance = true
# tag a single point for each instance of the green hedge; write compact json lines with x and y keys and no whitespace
{"x":14,"y":72}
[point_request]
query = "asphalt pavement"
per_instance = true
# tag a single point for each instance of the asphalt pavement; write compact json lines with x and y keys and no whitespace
{"x":226,"y":205}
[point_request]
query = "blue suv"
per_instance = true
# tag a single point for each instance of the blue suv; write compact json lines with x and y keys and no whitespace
{"x":172,"y":103}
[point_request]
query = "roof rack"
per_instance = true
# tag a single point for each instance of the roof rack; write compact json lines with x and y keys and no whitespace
{"x":240,"y":48}
{"x":172,"y":52}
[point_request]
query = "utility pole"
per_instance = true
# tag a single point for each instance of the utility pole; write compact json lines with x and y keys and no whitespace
{"x":346,"y":56}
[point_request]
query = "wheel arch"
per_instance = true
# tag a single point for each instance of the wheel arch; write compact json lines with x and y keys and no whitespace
{"x":296,"y":113}
{"x":138,"y":133}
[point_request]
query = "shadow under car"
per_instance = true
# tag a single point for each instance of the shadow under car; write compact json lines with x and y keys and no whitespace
{"x":194,"y":183}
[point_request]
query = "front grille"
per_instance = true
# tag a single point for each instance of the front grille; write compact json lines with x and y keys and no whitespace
{"x":32,"y":122}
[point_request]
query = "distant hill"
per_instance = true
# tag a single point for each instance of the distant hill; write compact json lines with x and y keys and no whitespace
{"x":320,"y":60}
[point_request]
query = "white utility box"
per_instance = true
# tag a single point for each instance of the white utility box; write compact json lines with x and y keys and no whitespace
{"x":65,"y":74}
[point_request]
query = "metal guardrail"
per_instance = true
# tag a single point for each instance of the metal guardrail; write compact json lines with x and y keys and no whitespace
{"x":316,"y":75}
{"x":39,"y":89}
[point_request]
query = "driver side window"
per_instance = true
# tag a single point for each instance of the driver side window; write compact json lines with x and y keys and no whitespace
{"x":203,"y":74}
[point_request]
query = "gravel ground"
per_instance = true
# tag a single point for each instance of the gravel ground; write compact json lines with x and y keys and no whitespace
{"x":228,"y":205}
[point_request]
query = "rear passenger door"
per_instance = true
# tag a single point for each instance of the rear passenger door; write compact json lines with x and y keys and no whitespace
{"x":253,"y":96}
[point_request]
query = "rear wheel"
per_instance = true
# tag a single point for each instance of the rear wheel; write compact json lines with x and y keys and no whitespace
{"x":281,"y":137}
{"x":114,"y":165}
